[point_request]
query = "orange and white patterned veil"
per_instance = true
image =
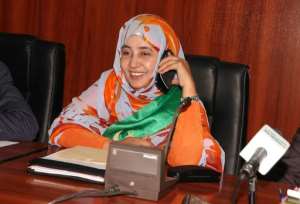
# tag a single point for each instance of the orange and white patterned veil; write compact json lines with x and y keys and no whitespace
{"x":111,"y":109}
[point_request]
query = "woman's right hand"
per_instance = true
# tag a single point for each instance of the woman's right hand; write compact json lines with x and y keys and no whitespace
{"x":184,"y":74}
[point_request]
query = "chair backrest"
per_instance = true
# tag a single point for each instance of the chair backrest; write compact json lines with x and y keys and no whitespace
{"x":37,"y":67}
{"x":223,"y":88}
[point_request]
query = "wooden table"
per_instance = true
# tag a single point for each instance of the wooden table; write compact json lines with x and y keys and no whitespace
{"x":17,"y":186}
{"x":19,"y":150}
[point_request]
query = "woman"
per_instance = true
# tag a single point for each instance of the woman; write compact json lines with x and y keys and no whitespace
{"x":126,"y":105}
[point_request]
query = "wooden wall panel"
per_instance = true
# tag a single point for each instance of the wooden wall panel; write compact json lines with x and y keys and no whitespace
{"x":261,"y":33}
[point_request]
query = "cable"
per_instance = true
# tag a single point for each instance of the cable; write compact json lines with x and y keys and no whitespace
{"x":237,"y":188}
{"x":113,"y":191}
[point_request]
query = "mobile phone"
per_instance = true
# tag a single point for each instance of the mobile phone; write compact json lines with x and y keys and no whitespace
{"x":164,"y":81}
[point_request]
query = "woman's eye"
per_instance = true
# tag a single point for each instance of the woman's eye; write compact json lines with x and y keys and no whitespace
{"x":145,"y":54}
{"x":125,"y":53}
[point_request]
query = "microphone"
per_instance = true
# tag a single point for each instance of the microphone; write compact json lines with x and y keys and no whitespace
{"x":250,"y":168}
{"x":263,"y":151}
{"x":261,"y":154}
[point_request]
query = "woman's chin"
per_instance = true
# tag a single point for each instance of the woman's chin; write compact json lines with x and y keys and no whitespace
{"x":138,"y":86}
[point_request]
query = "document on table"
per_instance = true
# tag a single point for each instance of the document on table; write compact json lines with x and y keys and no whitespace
{"x":81,"y":163}
{"x":7,"y":143}
{"x":86,"y":156}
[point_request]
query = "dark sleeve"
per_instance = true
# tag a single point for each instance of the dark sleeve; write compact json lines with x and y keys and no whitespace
{"x":17,"y":121}
{"x":292,"y":160}
{"x":288,"y":167}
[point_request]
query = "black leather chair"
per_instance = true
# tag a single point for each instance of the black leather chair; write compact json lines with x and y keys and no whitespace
{"x":223,"y":88}
{"x":37,"y":67}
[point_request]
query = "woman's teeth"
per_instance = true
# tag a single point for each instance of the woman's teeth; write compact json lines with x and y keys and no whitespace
{"x":136,"y":74}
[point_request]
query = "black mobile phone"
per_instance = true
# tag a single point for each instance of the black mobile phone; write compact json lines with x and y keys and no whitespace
{"x":164,"y":81}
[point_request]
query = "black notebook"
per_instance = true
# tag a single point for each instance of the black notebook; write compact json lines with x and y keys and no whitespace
{"x":80,"y":163}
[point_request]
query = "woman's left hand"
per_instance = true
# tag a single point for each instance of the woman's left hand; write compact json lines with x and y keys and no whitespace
{"x":137,"y":141}
{"x":184,"y":75}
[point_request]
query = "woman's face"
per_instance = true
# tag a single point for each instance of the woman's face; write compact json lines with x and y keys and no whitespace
{"x":138,"y":59}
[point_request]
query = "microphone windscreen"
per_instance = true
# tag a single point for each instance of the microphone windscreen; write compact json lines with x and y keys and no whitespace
{"x":272,"y":142}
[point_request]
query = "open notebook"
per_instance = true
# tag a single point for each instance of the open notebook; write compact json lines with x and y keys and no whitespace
{"x":81,"y":163}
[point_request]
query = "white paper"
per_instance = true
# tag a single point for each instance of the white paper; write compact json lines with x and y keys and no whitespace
{"x":51,"y":171}
{"x":272,"y":142}
{"x":86,"y":156}
{"x":293,"y":193}
{"x":7,"y":143}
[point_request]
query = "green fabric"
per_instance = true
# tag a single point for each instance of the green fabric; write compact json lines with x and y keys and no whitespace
{"x":150,"y":119}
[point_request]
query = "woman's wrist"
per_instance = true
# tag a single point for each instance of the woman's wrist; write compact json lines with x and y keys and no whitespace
{"x":186,"y":101}
{"x":189,"y":90}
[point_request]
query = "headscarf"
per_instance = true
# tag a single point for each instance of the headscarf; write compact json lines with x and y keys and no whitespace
{"x":159,"y":34}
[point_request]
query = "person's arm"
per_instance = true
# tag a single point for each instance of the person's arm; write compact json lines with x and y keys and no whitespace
{"x":17,"y":121}
{"x":291,"y":160}
{"x":70,"y":135}
{"x":192,"y":143}
{"x":79,"y":123}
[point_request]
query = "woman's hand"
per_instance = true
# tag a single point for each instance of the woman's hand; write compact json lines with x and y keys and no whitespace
{"x":137,"y":141}
{"x":106,"y":145}
{"x":131,"y":140}
{"x":184,"y":75}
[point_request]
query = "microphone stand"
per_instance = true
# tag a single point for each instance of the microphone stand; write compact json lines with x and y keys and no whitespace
{"x":251,"y":189}
{"x":249,"y":170}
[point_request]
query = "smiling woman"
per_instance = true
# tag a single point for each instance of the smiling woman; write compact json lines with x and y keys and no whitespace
{"x":138,"y":60}
{"x":126,"y":105}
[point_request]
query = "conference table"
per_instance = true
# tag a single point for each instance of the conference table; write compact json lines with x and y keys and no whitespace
{"x":18,"y":186}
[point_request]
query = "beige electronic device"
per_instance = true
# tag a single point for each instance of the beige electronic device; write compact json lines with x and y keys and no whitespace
{"x":137,"y":169}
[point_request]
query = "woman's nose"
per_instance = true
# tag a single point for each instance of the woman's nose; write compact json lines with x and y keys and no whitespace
{"x":134,"y":61}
